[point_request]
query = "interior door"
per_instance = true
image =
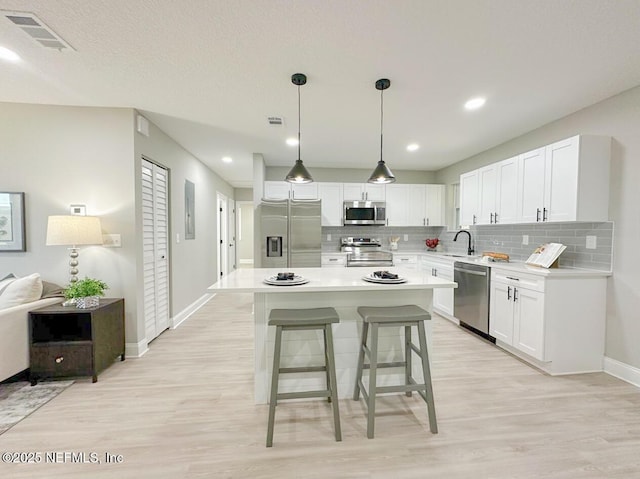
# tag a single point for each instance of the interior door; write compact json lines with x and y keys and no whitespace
{"x":155,"y":245}
{"x":231,"y":235}
{"x":222,"y":235}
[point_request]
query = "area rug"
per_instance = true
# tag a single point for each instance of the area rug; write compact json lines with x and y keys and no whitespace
{"x":18,"y":400}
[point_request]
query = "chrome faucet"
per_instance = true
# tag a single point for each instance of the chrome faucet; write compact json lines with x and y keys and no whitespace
{"x":469,"y":248}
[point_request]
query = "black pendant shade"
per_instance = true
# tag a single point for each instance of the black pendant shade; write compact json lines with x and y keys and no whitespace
{"x":382,"y":174}
{"x":299,"y":173}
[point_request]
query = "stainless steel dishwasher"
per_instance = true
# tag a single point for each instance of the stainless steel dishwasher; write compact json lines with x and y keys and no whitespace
{"x":471,"y":298}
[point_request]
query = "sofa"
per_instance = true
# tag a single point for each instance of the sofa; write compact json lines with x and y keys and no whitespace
{"x":18,"y":296}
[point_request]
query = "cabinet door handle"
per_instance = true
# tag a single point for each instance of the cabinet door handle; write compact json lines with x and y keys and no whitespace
{"x":435,"y":272}
{"x":474,"y":219}
{"x":495,"y":218}
{"x":544,"y":214}
{"x":333,"y":259}
{"x":537,"y":215}
{"x":508,"y":293}
{"x":423,"y":222}
{"x":427,"y":221}
{"x":490,"y":218}
{"x":513,"y":279}
{"x":515,"y":294}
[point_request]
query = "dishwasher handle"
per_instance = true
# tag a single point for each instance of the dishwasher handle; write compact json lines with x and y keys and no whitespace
{"x":469,"y":271}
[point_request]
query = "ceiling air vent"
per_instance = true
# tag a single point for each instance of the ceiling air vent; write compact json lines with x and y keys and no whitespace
{"x":275,"y":120}
{"x":36,"y":29}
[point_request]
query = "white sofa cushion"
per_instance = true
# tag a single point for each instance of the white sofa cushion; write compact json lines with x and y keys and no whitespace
{"x":6,"y":281}
{"x":21,"y":291}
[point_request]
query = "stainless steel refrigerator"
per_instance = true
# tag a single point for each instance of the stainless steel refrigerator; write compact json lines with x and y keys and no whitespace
{"x":290,"y":233}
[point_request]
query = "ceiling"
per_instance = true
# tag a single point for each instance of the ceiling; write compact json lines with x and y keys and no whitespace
{"x":209,"y":73}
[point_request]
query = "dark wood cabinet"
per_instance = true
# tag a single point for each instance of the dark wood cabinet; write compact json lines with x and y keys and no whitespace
{"x":66,"y":341}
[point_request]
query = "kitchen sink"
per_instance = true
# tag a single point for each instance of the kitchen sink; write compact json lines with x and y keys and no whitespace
{"x":456,"y":255}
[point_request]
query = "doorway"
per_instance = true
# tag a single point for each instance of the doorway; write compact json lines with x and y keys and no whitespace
{"x":222,"y":240}
{"x":244,"y":236}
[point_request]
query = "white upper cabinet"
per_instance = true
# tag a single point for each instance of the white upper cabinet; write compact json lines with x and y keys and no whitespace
{"x":363,"y":192}
{"x":398,"y":203}
{"x":415,"y":205}
{"x":565,"y":181}
{"x":507,"y":191}
{"x":304,"y":191}
{"x":487,"y":188}
{"x":331,"y":196}
{"x":434,"y":206}
{"x":530,"y":186}
{"x":277,"y":190}
{"x":282,"y":190}
{"x":469,"y":198}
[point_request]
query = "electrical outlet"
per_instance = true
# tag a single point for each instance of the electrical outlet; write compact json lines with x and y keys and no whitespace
{"x":406,"y":237}
{"x":112,"y":241}
{"x":591,"y":242}
{"x":177,"y":237}
{"x":525,"y":239}
{"x":328,"y":237}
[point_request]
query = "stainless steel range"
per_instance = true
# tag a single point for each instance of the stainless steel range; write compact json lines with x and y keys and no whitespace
{"x":365,"y":252}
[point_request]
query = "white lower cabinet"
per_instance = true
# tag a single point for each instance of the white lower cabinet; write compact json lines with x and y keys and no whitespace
{"x":442,"y":297}
{"x":409,"y":261}
{"x":517,"y":315}
{"x":554,"y":320}
{"x":330,"y":260}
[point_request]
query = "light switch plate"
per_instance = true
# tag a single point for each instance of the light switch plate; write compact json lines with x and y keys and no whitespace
{"x":525,"y":239}
{"x":112,"y":241}
{"x":328,"y":237}
{"x":591,"y":242}
{"x":406,"y":237}
{"x":177,"y":237}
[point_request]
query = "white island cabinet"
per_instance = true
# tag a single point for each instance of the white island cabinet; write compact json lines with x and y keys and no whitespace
{"x":345,"y":290}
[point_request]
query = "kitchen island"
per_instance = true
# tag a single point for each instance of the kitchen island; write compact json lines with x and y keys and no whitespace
{"x":340,"y":288}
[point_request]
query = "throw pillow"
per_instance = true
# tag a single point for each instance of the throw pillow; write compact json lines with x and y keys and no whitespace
{"x":22,"y":290}
{"x":51,"y":290}
{"x":6,"y":281}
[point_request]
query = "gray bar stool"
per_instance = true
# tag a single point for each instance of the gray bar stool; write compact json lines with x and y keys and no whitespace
{"x":304,"y":319}
{"x":406,"y":316}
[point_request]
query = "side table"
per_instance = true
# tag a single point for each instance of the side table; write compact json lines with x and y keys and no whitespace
{"x":65,"y":341}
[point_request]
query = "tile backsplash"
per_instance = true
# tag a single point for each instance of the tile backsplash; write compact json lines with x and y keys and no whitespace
{"x":498,"y":238}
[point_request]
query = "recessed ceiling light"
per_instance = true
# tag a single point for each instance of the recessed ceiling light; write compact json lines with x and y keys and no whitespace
{"x":227,"y":159}
{"x":9,"y":55}
{"x":475,"y":103}
{"x":292,"y":141}
{"x":413,"y":147}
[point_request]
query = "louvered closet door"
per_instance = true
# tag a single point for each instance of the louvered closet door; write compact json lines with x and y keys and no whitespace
{"x":155,"y":227}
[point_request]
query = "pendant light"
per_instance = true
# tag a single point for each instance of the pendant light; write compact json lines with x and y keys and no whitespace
{"x":382,"y":174}
{"x":299,"y":173}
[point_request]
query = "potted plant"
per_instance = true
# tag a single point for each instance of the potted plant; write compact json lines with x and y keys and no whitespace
{"x":85,"y":293}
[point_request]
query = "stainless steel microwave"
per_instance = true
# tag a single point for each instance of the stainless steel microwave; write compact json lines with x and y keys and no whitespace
{"x":364,"y":213}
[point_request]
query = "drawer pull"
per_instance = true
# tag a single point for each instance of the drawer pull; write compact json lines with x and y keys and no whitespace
{"x":333,"y":259}
{"x":514,"y":279}
{"x":59,"y":359}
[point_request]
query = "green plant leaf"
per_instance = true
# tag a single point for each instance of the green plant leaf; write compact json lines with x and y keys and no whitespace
{"x":85,"y":287}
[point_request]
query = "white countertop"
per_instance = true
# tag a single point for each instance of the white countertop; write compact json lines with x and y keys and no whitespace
{"x":250,"y":280}
{"x":516,"y":266}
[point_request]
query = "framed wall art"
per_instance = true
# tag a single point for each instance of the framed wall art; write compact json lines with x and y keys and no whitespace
{"x":12,"y":222}
{"x":189,"y":210}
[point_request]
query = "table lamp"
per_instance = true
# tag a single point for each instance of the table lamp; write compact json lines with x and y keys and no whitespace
{"x":73,"y":231}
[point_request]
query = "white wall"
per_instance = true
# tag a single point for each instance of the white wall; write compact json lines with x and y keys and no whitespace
{"x":69,"y":155}
{"x":193,"y":262}
{"x":618,"y":117}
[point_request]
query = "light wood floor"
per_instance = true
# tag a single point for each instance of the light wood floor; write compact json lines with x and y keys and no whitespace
{"x":185,"y":410}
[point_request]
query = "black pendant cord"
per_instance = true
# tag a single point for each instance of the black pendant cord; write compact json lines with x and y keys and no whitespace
{"x":298,"y":122}
{"x":381,"y":117}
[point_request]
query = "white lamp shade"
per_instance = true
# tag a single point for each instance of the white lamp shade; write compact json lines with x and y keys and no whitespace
{"x":73,"y":230}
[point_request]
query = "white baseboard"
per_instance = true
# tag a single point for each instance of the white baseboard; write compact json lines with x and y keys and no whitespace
{"x":622,"y":371}
{"x":182,"y":316}
{"x":136,"y":350}
{"x":246,"y":261}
